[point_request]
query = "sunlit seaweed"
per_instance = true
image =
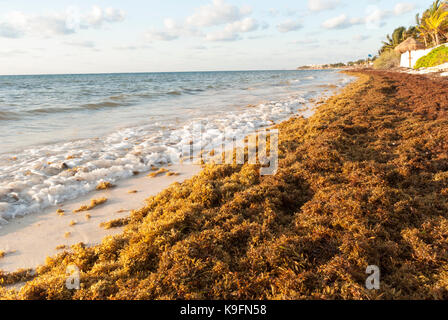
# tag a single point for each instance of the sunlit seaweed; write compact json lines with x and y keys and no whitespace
{"x":104,"y":186}
{"x":364,"y":181}
{"x":117,"y":223}
{"x":158,"y":173}
{"x":93,"y":204}
{"x":20,"y":275}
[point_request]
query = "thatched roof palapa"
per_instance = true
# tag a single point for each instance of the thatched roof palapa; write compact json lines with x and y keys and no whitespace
{"x":410,"y":44}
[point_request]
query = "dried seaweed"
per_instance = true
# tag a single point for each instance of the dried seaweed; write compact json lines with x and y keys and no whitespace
{"x":363,"y":181}
{"x":93,"y":204}
{"x":105,"y":186}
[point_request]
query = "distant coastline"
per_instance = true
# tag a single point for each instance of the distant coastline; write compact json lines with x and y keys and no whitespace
{"x":358,"y":64}
{"x":314,"y":68}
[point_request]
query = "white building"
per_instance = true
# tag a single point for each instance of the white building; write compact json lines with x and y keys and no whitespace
{"x":415,"y":55}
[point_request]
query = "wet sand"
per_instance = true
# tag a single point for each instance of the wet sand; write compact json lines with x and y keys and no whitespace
{"x":362,"y":182}
{"x":29,"y":240}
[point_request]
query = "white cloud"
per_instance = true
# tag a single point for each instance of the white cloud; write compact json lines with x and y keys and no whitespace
{"x":321,"y":5}
{"x":230,"y":32}
{"x":114,"y":15}
{"x":8,"y":31}
{"x":98,"y":16}
{"x":403,"y":7}
{"x":245,"y":25}
{"x":217,"y":13}
{"x":172,"y":30}
{"x":375,"y":17}
{"x":341,"y":22}
{"x":95,"y":16}
{"x":17,"y":24}
{"x":14,"y":25}
{"x":170,"y":24}
{"x":54,"y":24}
{"x":289,"y":25}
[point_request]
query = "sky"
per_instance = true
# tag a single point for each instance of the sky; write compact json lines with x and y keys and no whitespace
{"x":81,"y":36}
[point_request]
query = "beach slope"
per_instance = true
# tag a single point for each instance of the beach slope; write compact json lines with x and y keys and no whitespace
{"x":362,"y":182}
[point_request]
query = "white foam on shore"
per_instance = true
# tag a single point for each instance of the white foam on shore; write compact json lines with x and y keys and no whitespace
{"x":37,"y":178}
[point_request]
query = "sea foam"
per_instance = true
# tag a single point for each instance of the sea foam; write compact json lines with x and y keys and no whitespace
{"x":49,"y":175}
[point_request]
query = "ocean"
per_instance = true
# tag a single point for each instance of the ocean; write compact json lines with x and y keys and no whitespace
{"x":63,"y":134}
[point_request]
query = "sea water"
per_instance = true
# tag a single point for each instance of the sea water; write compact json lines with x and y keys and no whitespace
{"x":60,"y":135}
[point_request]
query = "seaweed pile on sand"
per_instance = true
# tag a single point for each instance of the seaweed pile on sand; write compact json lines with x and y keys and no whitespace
{"x":362,"y":182}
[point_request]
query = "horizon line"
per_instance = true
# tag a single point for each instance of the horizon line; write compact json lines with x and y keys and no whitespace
{"x":143,"y":72}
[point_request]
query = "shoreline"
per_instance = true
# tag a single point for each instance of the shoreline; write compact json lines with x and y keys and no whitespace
{"x":362,"y":182}
{"x":44,"y":175}
{"x":27,"y":241}
{"x":22,"y":259}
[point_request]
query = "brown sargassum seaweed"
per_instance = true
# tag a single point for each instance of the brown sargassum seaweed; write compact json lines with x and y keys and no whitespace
{"x":362,"y":182}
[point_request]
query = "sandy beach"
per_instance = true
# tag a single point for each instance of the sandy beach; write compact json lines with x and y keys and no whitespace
{"x":26,"y":241}
{"x":361,"y":182}
{"x":223,"y":159}
{"x":29,"y":240}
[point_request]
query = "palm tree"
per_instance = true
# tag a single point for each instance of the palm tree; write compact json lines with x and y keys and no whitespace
{"x":434,"y":20}
{"x":412,"y":32}
{"x":445,"y":24}
{"x":398,"y":36}
{"x":423,"y":31}
{"x":445,"y":31}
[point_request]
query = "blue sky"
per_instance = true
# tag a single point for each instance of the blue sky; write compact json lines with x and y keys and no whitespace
{"x":172,"y":35}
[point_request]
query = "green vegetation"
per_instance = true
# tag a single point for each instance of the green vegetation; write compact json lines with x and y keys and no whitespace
{"x":434,"y":23}
{"x":431,"y":28}
{"x":387,"y":60}
{"x":362,"y":182}
{"x":436,"y":57}
{"x":335,"y":65}
{"x":360,"y":62}
{"x":398,"y":36}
